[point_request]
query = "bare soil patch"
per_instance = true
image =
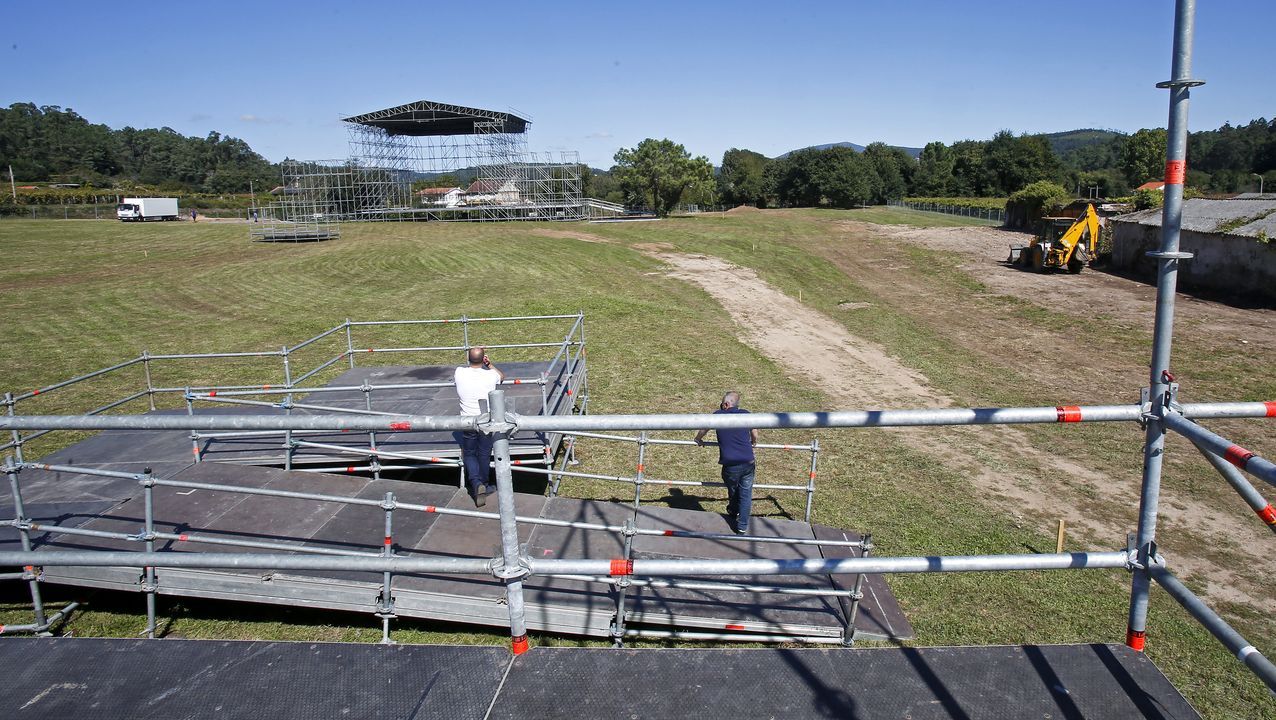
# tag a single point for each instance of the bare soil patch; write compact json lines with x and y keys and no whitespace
{"x":999,"y":462}
{"x":571,"y":235}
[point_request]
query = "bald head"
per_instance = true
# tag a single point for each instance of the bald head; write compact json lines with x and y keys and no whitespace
{"x":476,"y":355}
{"x":731,"y":400}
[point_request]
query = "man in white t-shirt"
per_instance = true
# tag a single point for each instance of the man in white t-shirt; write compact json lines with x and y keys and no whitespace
{"x":473,"y":383}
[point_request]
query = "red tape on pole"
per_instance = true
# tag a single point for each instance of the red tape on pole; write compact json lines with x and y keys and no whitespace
{"x":1237,"y":456}
{"x":1268,"y":514}
{"x":1136,"y":639}
{"x":388,"y":541}
{"x":1068,"y":413}
{"x":620,"y":566}
{"x":1175,"y":172}
{"x":431,"y":508}
{"x":1271,"y":408}
{"x":733,"y":627}
{"x":400,"y":426}
{"x":518,"y":645}
{"x":183,"y":537}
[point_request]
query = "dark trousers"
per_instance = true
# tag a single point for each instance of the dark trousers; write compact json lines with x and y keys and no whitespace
{"x":476,"y":454}
{"x":739,"y":480}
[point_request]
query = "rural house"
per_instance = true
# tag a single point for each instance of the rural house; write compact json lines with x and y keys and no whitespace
{"x":440,"y":196}
{"x":492,"y":192}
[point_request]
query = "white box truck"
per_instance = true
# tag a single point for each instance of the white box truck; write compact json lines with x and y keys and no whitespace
{"x":143,"y":209}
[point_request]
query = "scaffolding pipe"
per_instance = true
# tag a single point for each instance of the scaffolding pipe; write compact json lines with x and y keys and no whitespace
{"x":511,"y":568}
{"x":640,"y":567}
{"x":248,"y":390}
{"x":76,"y":379}
{"x":1248,"y":493}
{"x":318,"y":337}
{"x":1160,"y":379}
{"x":1246,"y":460}
{"x":149,"y":584}
{"x":574,"y":423}
{"x":710,"y":586}
{"x":20,"y":521}
{"x":1218,"y":627}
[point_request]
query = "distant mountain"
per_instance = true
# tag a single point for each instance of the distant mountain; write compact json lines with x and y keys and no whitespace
{"x":914,"y":152}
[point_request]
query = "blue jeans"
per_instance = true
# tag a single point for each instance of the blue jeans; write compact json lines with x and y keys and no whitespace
{"x":739,"y":480}
{"x":476,"y":454}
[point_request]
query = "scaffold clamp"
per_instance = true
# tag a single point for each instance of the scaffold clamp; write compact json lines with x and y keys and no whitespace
{"x":501,"y":572}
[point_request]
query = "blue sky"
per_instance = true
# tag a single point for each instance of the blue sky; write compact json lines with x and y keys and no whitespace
{"x":595,"y":77}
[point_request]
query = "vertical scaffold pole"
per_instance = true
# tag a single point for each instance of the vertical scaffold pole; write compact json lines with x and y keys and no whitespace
{"x":465,"y":332}
{"x":385,"y":604}
{"x":289,"y":446}
{"x":150,"y":387}
{"x":511,"y":571}
{"x":149,"y":585}
{"x":190,"y":410}
{"x":622,"y":585}
{"x":15,"y":434}
{"x":372,"y":434}
{"x":20,"y":517}
{"x":848,"y":633}
{"x":349,"y":344}
{"x":1168,"y":258}
{"x":810,"y":481}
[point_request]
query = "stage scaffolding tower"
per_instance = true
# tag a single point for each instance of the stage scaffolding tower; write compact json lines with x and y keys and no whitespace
{"x":479,"y":159}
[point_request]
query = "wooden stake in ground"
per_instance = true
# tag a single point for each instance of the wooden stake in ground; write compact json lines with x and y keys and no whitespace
{"x":1058,"y":543}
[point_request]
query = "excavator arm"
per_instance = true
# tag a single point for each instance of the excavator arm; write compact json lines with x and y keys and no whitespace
{"x":1085,"y":228}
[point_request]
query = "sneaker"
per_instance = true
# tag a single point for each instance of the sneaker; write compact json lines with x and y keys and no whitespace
{"x":741,"y":531}
{"x":480,"y":496}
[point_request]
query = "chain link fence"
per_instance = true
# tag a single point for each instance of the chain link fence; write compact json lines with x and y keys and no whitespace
{"x":992,"y":215}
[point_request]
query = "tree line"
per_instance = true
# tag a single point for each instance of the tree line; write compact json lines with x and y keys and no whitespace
{"x":49,"y":143}
{"x":1085,"y":162}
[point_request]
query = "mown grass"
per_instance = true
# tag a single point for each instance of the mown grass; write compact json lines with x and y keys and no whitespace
{"x":81,"y":295}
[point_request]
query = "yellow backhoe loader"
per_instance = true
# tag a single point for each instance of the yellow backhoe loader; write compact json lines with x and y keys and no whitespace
{"x":1063,"y":243}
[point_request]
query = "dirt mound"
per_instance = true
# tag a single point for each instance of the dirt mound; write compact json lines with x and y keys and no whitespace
{"x":743,"y":210}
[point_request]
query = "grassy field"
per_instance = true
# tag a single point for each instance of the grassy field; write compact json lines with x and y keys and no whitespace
{"x":82,"y":295}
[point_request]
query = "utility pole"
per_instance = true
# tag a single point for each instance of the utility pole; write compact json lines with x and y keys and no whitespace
{"x":13,"y":188}
{"x":1260,"y":180}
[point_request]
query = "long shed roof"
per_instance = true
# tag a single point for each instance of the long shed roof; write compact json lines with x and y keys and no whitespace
{"x":1233,"y":217}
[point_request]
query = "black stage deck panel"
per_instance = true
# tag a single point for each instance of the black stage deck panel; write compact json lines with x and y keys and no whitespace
{"x":553,"y":604}
{"x":105,"y":679}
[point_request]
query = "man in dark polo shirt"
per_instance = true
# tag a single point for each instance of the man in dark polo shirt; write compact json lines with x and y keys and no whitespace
{"x":735,"y":454}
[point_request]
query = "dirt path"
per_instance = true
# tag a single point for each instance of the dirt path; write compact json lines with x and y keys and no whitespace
{"x":866,"y":376}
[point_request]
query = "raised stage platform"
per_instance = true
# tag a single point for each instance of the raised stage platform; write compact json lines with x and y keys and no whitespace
{"x":57,"y":678}
{"x":553,"y":604}
{"x":557,"y":397}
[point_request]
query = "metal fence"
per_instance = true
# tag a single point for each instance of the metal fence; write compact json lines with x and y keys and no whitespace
{"x":1159,"y":413}
{"x":297,"y":368}
{"x":513,"y":564}
{"x":106,"y":211}
{"x":992,"y":215}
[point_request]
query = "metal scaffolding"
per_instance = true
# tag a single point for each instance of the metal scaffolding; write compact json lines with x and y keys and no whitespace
{"x":473,"y":163}
{"x":1158,"y":412}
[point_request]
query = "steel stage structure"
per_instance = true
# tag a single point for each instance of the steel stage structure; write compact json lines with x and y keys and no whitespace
{"x":482,"y":153}
{"x":1159,"y":412}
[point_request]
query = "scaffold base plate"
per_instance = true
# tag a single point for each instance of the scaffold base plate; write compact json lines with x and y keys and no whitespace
{"x":108,"y":678}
